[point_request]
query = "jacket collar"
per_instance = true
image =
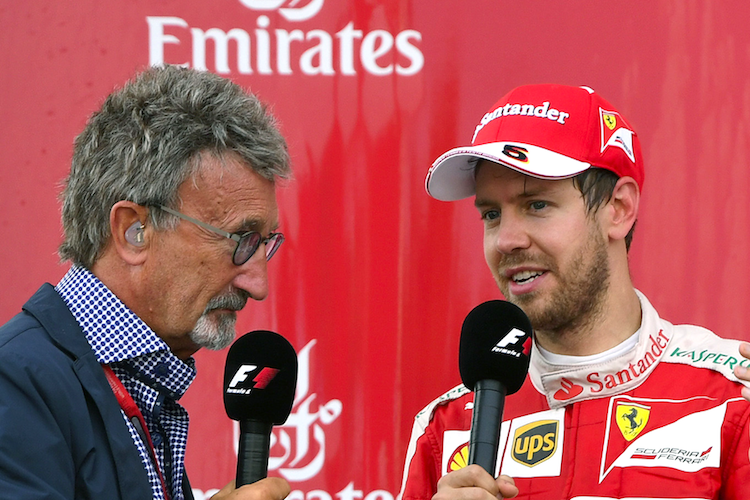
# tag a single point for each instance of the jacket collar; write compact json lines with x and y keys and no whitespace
{"x":48,"y":308}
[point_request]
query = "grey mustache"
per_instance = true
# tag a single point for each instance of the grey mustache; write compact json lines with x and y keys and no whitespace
{"x":233,"y":301}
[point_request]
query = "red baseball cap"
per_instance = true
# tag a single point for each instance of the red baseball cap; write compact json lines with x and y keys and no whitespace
{"x":545,"y":131}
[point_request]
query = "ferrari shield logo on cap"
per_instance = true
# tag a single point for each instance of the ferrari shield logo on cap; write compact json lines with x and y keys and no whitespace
{"x":615,"y":133}
{"x":610,"y":120}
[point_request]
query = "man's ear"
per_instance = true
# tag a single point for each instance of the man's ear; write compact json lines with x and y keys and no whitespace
{"x":626,"y":197}
{"x":130,"y":234}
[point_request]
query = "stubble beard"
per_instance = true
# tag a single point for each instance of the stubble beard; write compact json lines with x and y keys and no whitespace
{"x":217,"y":331}
{"x":580,"y":295}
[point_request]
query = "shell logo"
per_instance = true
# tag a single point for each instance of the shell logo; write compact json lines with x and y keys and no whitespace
{"x":291,"y":10}
{"x":459,"y":458}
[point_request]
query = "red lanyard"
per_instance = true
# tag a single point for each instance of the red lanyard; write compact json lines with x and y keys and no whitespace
{"x":136,"y":418}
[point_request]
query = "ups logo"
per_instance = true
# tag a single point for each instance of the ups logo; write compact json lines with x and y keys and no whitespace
{"x":535,"y":442}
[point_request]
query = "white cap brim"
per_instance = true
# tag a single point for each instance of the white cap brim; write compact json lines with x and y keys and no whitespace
{"x":451,"y":176}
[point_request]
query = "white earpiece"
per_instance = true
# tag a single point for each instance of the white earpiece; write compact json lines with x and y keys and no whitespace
{"x":134,"y":234}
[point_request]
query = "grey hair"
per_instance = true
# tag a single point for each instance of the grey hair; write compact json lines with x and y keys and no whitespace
{"x":147,"y":139}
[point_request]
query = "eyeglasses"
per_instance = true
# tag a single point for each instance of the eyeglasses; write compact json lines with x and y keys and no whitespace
{"x":247,"y":243}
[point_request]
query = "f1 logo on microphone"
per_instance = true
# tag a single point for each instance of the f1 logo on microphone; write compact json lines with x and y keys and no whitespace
{"x":511,"y":338}
{"x":262,"y":379}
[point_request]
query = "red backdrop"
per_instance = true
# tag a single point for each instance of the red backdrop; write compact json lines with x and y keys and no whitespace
{"x":375,"y":278}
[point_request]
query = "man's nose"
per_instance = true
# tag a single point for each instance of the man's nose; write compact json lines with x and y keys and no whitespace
{"x":252,"y":276}
{"x":511,"y":234}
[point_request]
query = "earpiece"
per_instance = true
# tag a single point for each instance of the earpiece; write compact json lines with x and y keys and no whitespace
{"x":134,"y":234}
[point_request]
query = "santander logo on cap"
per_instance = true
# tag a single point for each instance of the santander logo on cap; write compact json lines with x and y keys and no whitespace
{"x":544,"y":131}
{"x":541,"y":111}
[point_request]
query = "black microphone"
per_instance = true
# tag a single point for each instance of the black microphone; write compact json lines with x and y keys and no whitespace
{"x":259,"y":382}
{"x":493,"y":359}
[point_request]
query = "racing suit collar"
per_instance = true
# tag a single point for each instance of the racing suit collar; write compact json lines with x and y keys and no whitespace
{"x":563,"y":385}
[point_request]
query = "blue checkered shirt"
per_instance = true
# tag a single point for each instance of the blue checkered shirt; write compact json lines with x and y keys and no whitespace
{"x":154,"y":377}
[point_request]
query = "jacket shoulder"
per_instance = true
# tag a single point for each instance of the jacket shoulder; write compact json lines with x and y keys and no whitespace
{"x":701,"y":348}
{"x":44,"y":321}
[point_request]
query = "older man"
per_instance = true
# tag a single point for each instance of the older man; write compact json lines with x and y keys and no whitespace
{"x":619,"y":403}
{"x":169,"y":214}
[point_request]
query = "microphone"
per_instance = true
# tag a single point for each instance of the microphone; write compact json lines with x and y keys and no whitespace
{"x":259,"y":382}
{"x":493,"y":359}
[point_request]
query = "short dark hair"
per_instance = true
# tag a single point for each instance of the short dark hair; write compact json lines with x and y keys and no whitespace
{"x":596,"y":186}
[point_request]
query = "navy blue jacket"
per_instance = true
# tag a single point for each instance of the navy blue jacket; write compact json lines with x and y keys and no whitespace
{"x":62,"y":435}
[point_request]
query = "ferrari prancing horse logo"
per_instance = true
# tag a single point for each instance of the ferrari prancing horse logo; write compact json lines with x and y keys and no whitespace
{"x":631,"y":419}
{"x":610,"y":120}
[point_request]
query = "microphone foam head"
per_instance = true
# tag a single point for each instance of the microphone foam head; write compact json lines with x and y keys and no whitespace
{"x":260,"y":378}
{"x":495,"y":345}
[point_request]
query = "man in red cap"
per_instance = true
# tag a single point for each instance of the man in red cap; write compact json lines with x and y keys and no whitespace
{"x":619,"y":403}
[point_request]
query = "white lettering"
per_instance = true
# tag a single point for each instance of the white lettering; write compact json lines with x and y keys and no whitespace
{"x":318,"y":495}
{"x":221,"y":49}
{"x":283,"y":41}
{"x":157,"y":38}
{"x":511,"y":337}
{"x":376,"y":44}
{"x":199,"y":495}
{"x":411,"y":52}
{"x":349,"y":493}
{"x":346,"y":53}
{"x":542,"y":111}
{"x":241,"y":374}
{"x":263,"y":46}
{"x":323,"y":51}
{"x":380,"y":52}
{"x":379,"y":495}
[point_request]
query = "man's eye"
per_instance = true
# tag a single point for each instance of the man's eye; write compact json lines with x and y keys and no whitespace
{"x":538,"y":205}
{"x":490,"y":215}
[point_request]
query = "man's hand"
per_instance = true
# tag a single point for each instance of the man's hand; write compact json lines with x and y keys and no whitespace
{"x":270,"y":488}
{"x":474,"y":483}
{"x":743,"y":373}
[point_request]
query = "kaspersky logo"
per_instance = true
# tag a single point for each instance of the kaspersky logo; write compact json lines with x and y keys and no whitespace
{"x":266,"y":48}
{"x":261,"y":380}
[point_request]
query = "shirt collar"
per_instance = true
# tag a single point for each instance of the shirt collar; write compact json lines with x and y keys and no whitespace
{"x":117,"y":334}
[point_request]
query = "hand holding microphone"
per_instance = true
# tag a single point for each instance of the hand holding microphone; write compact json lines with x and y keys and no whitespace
{"x":493,"y":360}
{"x":260,"y":378}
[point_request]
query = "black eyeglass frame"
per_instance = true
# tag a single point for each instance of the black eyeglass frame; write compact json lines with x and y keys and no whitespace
{"x":249,"y":242}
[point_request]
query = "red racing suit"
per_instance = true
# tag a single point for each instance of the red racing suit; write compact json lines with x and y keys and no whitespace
{"x":663,"y":421}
